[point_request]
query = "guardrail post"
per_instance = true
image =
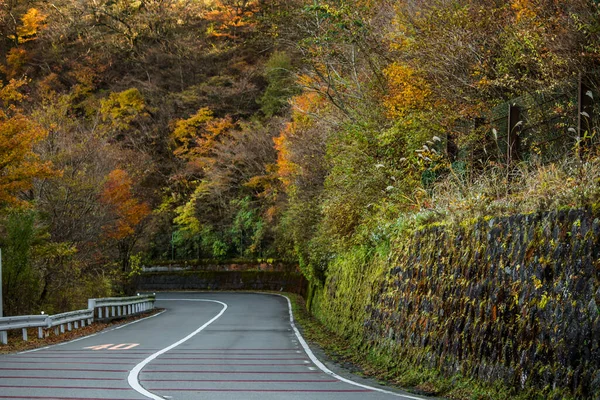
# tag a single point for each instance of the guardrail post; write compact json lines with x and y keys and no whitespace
{"x":92,"y":306}
{"x":24,"y":334}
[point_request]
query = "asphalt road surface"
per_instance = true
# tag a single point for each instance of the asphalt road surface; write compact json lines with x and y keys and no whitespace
{"x":213,"y":346}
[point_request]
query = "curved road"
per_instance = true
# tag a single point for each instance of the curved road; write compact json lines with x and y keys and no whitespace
{"x":213,"y":346}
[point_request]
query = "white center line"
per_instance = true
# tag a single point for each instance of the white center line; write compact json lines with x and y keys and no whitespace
{"x":133,"y":378}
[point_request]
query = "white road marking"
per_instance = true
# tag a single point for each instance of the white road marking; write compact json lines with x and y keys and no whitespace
{"x":322,"y":366}
{"x":133,"y":378}
{"x":99,"y":347}
{"x":124,"y":346}
{"x":93,"y":334}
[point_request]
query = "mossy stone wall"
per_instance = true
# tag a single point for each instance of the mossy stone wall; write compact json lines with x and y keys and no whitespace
{"x":514,"y":299}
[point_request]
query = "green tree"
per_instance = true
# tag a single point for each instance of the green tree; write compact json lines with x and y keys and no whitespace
{"x":20,"y":281}
{"x":281,"y":84}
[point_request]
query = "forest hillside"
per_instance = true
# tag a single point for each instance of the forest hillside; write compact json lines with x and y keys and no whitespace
{"x":138,"y":130}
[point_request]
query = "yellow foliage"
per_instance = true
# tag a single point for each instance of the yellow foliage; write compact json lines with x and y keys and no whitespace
{"x":123,"y":108}
{"x":15,"y":60}
{"x":524,"y":9}
{"x":407,"y":91}
{"x":186,"y":130}
{"x":32,"y":22}
{"x":197,"y":136}
{"x":186,"y":214}
{"x":10,"y":96}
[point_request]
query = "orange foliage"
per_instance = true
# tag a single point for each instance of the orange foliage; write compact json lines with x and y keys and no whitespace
{"x":229,"y":18}
{"x":286,"y":168}
{"x":130,"y":212}
{"x":303,"y":106}
{"x":19,"y":165}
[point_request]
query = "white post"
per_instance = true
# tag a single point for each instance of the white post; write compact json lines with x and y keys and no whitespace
{"x":3,"y":336}
{"x":40,"y":333}
{"x":24,"y":334}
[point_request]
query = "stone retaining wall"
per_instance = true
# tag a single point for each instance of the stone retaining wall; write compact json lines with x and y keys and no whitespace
{"x":223,"y":280}
{"x":514,"y":299}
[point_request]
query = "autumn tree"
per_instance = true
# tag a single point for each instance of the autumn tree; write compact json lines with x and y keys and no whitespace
{"x":128,"y":213}
{"x":480,"y":52}
{"x":228,"y":169}
{"x":19,"y":164}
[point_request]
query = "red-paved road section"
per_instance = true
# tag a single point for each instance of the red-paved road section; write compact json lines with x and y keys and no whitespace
{"x":249,"y":352}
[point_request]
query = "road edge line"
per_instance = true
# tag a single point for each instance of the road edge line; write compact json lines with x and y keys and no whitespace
{"x":326,"y":370}
{"x":132,"y":378}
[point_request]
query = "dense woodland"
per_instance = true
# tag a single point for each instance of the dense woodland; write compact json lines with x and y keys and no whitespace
{"x":137,"y":130}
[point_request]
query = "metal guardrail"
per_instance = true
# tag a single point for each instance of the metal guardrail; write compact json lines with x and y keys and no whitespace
{"x":98,"y":309}
{"x":70,"y":319}
{"x":23,"y":322}
{"x":115,"y":307}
